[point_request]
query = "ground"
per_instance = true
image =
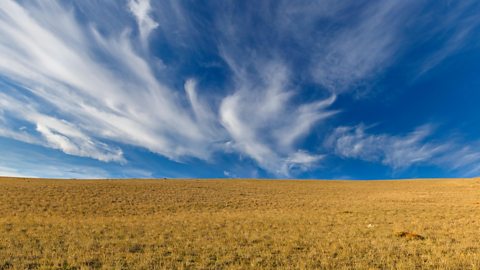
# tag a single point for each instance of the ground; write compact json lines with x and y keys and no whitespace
{"x":239,"y":224}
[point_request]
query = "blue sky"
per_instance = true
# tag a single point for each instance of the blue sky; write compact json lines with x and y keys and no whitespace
{"x":277,"y":89}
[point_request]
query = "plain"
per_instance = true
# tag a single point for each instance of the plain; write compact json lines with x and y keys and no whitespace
{"x":238,"y":224}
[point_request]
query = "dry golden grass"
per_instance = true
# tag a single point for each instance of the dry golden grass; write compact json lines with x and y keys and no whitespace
{"x":238,"y":224}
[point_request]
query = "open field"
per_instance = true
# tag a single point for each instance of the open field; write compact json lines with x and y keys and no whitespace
{"x":238,"y":224}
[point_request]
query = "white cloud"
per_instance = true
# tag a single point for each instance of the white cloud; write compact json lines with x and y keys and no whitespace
{"x":126,"y":104}
{"x":8,"y":171}
{"x":464,"y":158}
{"x":357,"y":53}
{"x":456,"y":27}
{"x":87,"y":87}
{"x":401,"y":152}
{"x":19,"y":135}
{"x":55,"y":133}
{"x":397,"y":152}
{"x":141,"y":10}
{"x":301,"y":161}
{"x":90,"y":86}
{"x":40,"y":169}
{"x":30,"y":163}
{"x":262,"y":123}
{"x":77,"y":143}
{"x":203,"y":114}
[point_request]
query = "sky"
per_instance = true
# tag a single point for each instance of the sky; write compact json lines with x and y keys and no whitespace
{"x":228,"y":89}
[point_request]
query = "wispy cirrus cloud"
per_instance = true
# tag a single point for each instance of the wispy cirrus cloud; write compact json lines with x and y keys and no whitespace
{"x":456,"y":27}
{"x":25,"y":163}
{"x":395,"y":151}
{"x":52,"y":132}
{"x":264,"y":124}
{"x":354,"y":55}
{"x":88,"y":88}
{"x":83,"y":80}
{"x":403,"y":151}
{"x":146,"y":24}
{"x":61,"y":68}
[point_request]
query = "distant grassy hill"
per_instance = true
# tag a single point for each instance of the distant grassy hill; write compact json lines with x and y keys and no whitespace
{"x":238,"y":224}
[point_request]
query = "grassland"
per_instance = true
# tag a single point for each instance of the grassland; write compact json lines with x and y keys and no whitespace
{"x":239,"y":224}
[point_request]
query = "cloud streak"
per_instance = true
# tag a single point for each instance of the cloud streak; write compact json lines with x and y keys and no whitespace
{"x":356,"y":54}
{"x":141,"y":10}
{"x":402,"y":152}
{"x":54,"y":133}
{"x":84,"y":88}
{"x":263,"y":124}
{"x":59,"y":68}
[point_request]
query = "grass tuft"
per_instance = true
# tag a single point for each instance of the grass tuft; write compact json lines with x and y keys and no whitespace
{"x":410,"y":235}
